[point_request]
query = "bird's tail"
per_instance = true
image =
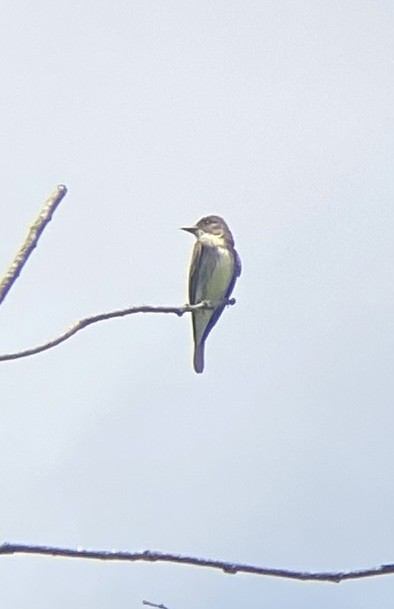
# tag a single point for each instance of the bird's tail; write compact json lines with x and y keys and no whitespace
{"x":199,"y":357}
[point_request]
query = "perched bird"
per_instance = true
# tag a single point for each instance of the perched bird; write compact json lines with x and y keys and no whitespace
{"x":214,"y":268}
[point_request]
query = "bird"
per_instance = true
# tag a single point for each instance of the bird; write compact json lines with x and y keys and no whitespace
{"x":214,"y":269}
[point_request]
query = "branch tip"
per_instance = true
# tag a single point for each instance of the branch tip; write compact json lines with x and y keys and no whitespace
{"x":31,"y":241}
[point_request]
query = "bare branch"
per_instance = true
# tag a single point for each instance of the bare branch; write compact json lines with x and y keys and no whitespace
{"x":227,"y":567}
{"x":161,"y":606}
{"x":31,"y":240}
{"x":88,"y":321}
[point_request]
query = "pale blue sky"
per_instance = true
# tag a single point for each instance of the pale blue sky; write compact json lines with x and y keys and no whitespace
{"x":277,"y":115}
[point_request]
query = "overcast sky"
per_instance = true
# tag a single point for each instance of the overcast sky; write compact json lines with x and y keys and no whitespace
{"x":277,"y":115}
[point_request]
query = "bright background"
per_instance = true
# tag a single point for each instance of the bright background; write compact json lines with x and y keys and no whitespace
{"x":277,"y":115}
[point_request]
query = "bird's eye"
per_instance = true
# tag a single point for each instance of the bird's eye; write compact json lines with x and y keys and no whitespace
{"x":206,"y":221}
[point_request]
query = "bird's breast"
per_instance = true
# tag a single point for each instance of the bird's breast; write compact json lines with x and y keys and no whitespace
{"x":216,"y":273}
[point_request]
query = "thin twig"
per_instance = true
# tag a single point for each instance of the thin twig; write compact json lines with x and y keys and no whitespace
{"x":227,"y":567}
{"x":88,"y":321}
{"x":35,"y":232}
{"x":149,"y":604}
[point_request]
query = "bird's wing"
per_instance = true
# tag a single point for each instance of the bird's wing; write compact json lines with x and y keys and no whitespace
{"x":193,"y":277}
{"x":202,"y":263}
{"x":236,"y":274}
{"x":238,"y":265}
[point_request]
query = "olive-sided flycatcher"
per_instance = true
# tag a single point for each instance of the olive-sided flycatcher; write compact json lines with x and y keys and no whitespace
{"x":214,"y":268}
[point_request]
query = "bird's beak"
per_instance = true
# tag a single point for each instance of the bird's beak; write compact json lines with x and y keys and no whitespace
{"x":190,"y":229}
